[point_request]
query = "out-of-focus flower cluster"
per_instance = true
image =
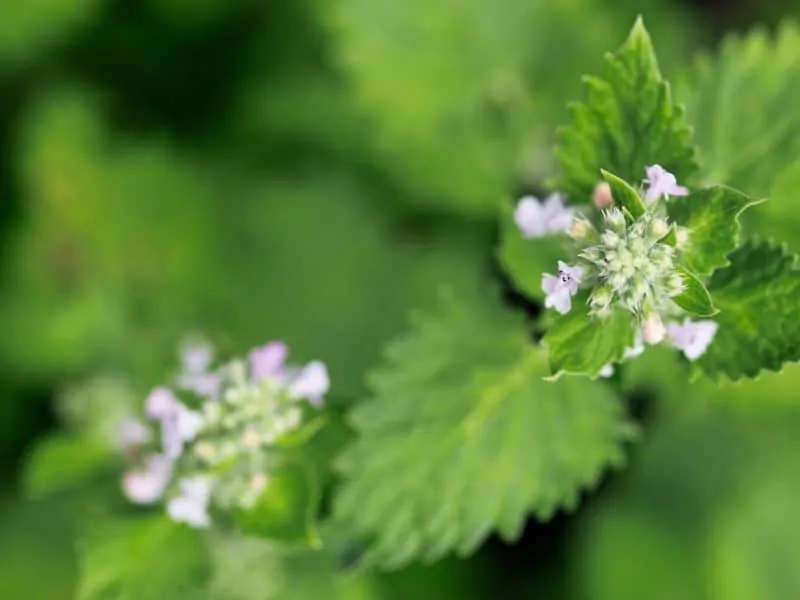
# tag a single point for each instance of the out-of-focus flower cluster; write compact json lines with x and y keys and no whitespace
{"x":213,"y":438}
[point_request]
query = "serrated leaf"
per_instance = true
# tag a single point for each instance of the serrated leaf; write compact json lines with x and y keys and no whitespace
{"x":712,"y":216}
{"x":463,"y":437}
{"x":141,"y":558}
{"x":624,"y":195}
{"x":525,"y":260}
{"x":627,"y":121}
{"x":695,"y":298}
{"x":758,"y":325}
{"x":741,"y":102}
{"x":581,"y":344}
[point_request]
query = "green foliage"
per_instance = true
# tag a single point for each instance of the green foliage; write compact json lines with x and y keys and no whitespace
{"x":580,"y":344}
{"x":480,"y":89}
{"x":462,"y":402}
{"x":525,"y":260}
{"x":695,"y":298}
{"x":624,"y":195}
{"x":147,"y":557}
{"x":28,"y":28}
{"x":287,"y":510}
{"x":712,"y":215}
{"x":627,"y":122}
{"x":60,"y":462}
{"x":758,"y":329}
{"x":741,"y":103}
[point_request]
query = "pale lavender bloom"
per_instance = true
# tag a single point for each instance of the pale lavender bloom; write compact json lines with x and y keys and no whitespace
{"x":662,"y":183}
{"x":312,"y":382}
{"x":195,"y":377}
{"x":536,"y":219}
{"x":268,"y":361}
{"x":133,"y":433}
{"x":191,"y":506}
{"x":692,"y":337}
{"x":560,"y":288}
{"x":179,"y":427}
{"x":146,"y":484}
{"x":160,"y":403}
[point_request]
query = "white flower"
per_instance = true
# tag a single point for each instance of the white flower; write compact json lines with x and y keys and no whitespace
{"x":607,"y":370}
{"x":653,"y":330}
{"x":637,"y":348}
{"x":145,"y":485}
{"x":312,"y":382}
{"x":536,"y":219}
{"x":178,"y":423}
{"x":133,"y":433}
{"x":662,"y":184}
{"x":195,"y":376}
{"x":560,"y":288}
{"x":692,"y":337}
{"x":191,"y":506}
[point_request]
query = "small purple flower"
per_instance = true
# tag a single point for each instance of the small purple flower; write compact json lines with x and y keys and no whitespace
{"x":146,"y":484}
{"x":268,"y":361}
{"x":692,"y":337}
{"x":560,"y":288}
{"x":191,"y":506}
{"x":178,"y":423}
{"x":662,"y":184}
{"x":195,"y":376}
{"x":536,"y":219}
{"x":312,"y":382}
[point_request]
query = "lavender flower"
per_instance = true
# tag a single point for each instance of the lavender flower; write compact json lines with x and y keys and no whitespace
{"x":692,"y":337}
{"x":662,"y":184}
{"x":536,"y":219}
{"x":560,"y":288}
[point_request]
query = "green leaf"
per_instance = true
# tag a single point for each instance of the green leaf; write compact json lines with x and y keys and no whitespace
{"x":712,"y":216}
{"x":525,"y":260}
{"x":463,"y":437}
{"x":287,"y":510}
{"x":741,"y":102}
{"x":628,"y":121}
{"x":580,"y":344}
{"x":60,"y":462}
{"x":695,"y":298}
{"x":624,"y":195}
{"x":758,"y":325}
{"x":141,"y":558}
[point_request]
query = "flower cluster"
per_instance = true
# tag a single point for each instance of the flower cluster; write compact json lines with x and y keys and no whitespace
{"x":626,"y":263}
{"x":219,"y":446}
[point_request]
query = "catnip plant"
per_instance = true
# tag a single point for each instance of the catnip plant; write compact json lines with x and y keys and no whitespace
{"x":479,"y":416}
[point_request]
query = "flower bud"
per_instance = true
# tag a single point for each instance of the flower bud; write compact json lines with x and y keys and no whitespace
{"x":653,"y":330}
{"x":659,"y":228}
{"x":615,"y":219}
{"x":602,"y":197}
{"x":580,"y":228}
{"x":681,"y":237}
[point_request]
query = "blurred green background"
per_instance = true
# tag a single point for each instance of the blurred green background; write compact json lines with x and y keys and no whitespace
{"x":312,"y":170}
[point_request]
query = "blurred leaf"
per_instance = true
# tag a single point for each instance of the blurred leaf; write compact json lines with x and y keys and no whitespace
{"x":60,"y":461}
{"x":29,"y":27}
{"x":742,"y":102}
{"x":287,"y":510}
{"x":462,"y":402}
{"x":581,"y":344}
{"x":758,"y":327}
{"x":627,"y":122}
{"x":141,"y":558}
{"x":36,"y":550}
{"x":712,"y":216}
{"x":464,"y":93}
